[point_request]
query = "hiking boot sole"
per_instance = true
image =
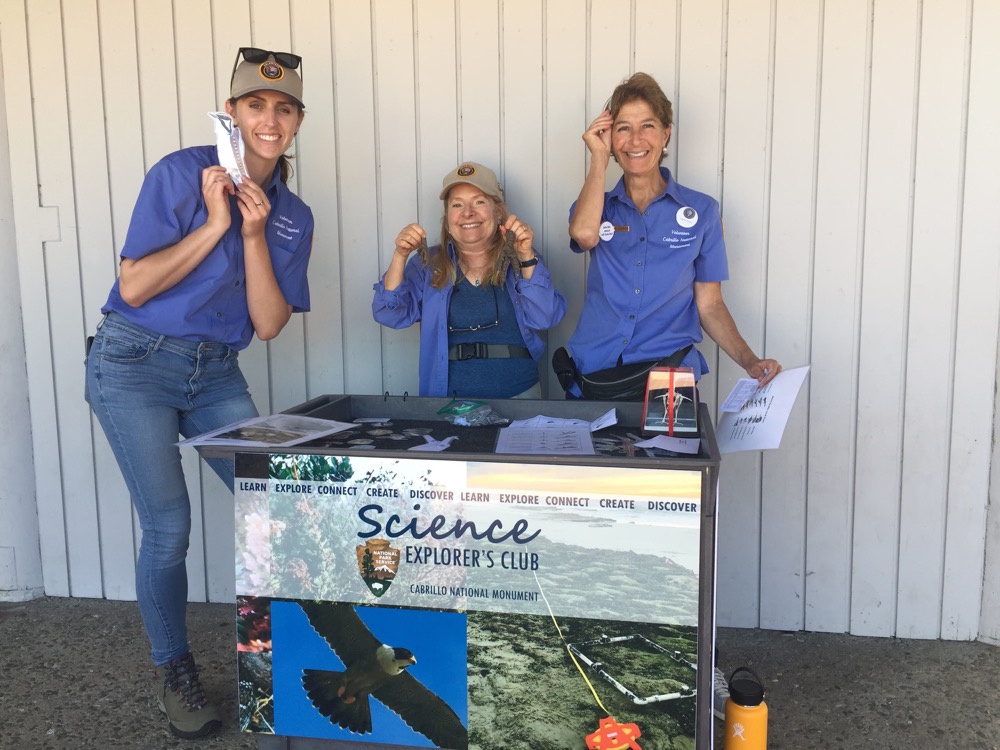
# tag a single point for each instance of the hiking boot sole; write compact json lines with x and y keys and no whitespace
{"x":212,"y":726}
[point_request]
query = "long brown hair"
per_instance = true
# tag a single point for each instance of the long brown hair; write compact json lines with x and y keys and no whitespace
{"x":442,"y":268}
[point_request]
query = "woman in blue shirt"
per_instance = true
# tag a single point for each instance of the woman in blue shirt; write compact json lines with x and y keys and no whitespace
{"x":206,"y":264}
{"x":657,"y":253}
{"x":482,"y":295}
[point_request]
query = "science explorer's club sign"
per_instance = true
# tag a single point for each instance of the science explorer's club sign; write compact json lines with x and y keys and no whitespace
{"x":384,"y":593}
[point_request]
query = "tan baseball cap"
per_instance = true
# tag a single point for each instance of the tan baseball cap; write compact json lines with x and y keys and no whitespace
{"x":474,"y":174}
{"x":266,"y":76}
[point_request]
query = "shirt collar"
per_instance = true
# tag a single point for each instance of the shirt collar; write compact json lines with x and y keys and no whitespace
{"x":619,"y":193}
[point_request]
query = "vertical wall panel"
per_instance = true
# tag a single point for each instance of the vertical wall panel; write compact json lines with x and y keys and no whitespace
{"x":566,"y":116}
{"x":980,"y":230}
{"x":90,"y":157}
{"x":316,"y":166}
{"x":744,"y":200}
{"x":884,"y":301}
{"x":397,"y":149}
{"x":354,"y":101}
{"x":975,"y":344}
{"x":34,"y":226}
{"x":839,"y":222}
{"x":479,"y":83}
{"x":932,"y":315}
{"x":791,"y":188}
{"x":522,"y":103}
{"x":62,"y":280}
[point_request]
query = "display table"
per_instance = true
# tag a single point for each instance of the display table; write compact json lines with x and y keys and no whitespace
{"x":484,"y":600}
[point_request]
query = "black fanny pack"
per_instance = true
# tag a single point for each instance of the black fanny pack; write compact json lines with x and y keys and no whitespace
{"x":620,"y":383}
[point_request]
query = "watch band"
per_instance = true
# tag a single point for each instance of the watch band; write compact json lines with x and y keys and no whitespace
{"x":528,"y":263}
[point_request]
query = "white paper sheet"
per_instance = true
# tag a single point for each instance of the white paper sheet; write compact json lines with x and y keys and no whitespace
{"x":565,"y":440}
{"x":760,"y":423}
{"x":741,"y":393}
{"x":689,"y":446}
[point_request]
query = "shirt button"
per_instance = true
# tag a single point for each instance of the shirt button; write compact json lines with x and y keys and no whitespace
{"x":642,"y":239}
{"x":631,"y":317}
{"x":236,"y":283}
{"x":638,"y":291}
{"x":624,"y":341}
{"x":638,"y":262}
{"x":218,"y":315}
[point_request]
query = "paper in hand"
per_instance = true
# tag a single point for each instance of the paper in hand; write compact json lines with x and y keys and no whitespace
{"x":761,"y":420}
{"x":229,"y":143}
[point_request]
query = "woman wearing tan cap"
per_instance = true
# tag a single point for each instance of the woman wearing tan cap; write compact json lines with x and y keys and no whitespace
{"x":206,"y":265}
{"x":482,"y":294}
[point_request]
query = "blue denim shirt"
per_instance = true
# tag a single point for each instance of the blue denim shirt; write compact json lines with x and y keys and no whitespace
{"x":640,"y":301}
{"x":537,"y":307}
{"x":210,"y":303}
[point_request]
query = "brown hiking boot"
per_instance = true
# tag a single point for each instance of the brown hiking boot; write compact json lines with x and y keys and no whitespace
{"x":182,"y":699}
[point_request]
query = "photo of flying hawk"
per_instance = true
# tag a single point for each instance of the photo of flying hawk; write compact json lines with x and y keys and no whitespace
{"x":373,"y":670}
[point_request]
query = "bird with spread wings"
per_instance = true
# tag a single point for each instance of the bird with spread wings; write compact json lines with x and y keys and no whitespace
{"x":376,"y":669}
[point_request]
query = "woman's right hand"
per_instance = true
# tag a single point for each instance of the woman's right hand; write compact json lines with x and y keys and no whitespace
{"x":216,"y":187}
{"x":409,"y":239}
{"x":598,"y":135}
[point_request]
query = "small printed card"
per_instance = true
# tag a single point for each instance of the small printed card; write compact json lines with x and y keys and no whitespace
{"x":671,"y":404}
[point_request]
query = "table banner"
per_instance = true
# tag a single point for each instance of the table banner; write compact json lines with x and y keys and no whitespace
{"x":467,"y":604}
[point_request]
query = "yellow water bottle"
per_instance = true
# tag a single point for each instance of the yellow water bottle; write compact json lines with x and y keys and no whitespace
{"x":746,"y":712}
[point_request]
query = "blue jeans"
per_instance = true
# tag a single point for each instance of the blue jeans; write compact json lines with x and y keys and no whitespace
{"x":145,"y":390}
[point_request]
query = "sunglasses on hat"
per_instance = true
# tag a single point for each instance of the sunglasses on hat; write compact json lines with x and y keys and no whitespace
{"x":257,"y":55}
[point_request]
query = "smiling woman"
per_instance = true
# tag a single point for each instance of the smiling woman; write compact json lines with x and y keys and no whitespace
{"x":482,"y":295}
{"x":657,"y":259}
{"x":204,"y":268}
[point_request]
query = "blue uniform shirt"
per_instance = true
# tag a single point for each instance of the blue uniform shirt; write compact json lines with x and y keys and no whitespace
{"x":210,"y":303}
{"x":640,"y":287}
{"x":537,"y":306}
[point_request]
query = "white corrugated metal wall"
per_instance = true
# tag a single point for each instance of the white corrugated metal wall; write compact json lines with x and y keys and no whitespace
{"x":852,"y":145}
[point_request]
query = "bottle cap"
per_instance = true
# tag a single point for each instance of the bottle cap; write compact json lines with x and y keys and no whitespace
{"x":745,"y":691}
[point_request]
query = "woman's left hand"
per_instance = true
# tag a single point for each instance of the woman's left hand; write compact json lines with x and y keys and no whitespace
{"x":254,"y":206}
{"x":523,"y":237}
{"x":764,"y":371}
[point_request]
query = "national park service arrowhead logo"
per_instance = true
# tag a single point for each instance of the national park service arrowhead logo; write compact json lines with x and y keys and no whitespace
{"x":378,"y":563}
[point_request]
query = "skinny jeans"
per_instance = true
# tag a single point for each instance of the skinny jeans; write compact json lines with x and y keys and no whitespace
{"x":146,"y":390}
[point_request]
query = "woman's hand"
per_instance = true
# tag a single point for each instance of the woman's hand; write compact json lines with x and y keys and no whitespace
{"x":409,"y":239}
{"x":216,"y":187}
{"x":764,"y":370}
{"x":254,"y":206}
{"x":598,"y":135}
{"x":523,"y":237}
